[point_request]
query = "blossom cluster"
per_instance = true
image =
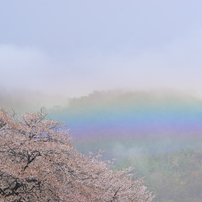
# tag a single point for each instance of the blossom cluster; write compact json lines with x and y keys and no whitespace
{"x":39,"y":163}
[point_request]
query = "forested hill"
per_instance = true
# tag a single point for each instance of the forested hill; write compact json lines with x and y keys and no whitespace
{"x":143,"y":121}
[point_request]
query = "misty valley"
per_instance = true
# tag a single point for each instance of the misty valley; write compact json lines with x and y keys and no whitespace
{"x":158,"y":133}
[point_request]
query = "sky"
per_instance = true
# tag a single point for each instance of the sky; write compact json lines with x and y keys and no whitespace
{"x":71,"y":48}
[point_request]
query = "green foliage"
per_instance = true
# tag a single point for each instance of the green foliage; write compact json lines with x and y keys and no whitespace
{"x":174,"y":177}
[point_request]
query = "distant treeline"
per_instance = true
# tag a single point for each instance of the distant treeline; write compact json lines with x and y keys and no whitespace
{"x":147,"y":120}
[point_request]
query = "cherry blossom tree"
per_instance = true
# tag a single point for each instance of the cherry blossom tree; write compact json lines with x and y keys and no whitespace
{"x":38,"y":163}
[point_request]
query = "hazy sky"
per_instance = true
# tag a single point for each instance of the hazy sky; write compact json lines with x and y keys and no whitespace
{"x":76,"y":46}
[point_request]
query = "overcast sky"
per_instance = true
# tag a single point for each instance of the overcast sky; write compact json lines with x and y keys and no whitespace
{"x":73,"y":47}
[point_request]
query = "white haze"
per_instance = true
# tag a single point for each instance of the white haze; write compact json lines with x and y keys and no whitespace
{"x":176,"y":66}
{"x":70,"y":48}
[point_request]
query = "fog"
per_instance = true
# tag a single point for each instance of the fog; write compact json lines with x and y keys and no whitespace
{"x":72,"y":48}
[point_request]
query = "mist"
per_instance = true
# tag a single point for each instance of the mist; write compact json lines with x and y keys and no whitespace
{"x":175,"y":66}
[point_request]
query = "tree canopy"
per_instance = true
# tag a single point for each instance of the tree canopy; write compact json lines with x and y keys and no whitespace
{"x":39,"y":163}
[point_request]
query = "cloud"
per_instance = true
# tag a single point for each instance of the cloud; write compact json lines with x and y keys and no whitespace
{"x":176,"y":65}
{"x":20,"y":66}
